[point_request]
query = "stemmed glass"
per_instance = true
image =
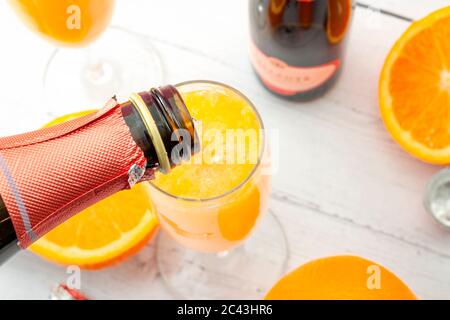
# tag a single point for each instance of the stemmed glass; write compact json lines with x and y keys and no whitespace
{"x":92,"y":62}
{"x":208,"y":249}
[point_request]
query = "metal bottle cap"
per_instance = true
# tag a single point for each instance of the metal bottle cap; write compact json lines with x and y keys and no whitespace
{"x":152,"y":129}
{"x":437,"y":197}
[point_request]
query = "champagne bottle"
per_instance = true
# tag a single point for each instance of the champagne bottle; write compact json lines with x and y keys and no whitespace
{"x":48,"y":175}
{"x":297,"y":46}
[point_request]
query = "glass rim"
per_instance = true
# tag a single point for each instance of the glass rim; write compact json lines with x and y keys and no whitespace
{"x":260,"y":155}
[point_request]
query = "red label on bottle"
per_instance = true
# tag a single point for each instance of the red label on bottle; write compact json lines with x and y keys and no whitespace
{"x":288,"y":80}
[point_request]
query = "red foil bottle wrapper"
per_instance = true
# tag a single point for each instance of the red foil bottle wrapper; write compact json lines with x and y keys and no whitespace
{"x":47,"y":176}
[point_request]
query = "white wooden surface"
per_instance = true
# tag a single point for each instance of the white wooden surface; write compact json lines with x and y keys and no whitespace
{"x":343,"y":185}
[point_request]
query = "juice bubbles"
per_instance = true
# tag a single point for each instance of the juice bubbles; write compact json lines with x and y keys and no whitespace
{"x":213,"y":202}
{"x":72,"y":23}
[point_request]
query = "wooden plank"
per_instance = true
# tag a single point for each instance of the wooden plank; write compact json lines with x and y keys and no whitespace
{"x":414,"y":9}
{"x":311,"y":234}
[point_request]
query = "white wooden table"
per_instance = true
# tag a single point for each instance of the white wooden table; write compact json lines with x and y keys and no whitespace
{"x":343,"y":185}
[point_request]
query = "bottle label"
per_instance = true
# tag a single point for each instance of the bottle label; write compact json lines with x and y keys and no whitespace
{"x":288,"y":80}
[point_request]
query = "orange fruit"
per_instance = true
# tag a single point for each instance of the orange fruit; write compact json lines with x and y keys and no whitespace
{"x":339,"y":13}
{"x":414,"y":89}
{"x":340,"y":278}
{"x":103,"y":234}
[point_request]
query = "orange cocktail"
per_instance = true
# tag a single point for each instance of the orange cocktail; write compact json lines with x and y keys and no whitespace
{"x":92,"y":60}
{"x":213,"y":202}
{"x":68,"y":22}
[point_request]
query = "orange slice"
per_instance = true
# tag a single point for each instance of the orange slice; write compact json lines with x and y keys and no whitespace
{"x":340,"y":278}
{"x":103,"y":234}
{"x":414,"y":89}
{"x":339,"y":13}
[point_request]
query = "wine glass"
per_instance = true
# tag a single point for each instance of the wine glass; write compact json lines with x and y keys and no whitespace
{"x":209,"y":207}
{"x":92,"y":61}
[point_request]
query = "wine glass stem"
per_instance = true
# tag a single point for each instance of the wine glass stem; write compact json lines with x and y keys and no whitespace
{"x":98,"y":71}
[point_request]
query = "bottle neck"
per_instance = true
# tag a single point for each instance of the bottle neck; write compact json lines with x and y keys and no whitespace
{"x":173,"y":123}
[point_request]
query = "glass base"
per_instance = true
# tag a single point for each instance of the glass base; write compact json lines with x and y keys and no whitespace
{"x":246,"y":272}
{"x":118,"y":63}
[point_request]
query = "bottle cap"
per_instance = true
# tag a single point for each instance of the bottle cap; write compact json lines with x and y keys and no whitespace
{"x":437,"y":197}
{"x":152,"y":129}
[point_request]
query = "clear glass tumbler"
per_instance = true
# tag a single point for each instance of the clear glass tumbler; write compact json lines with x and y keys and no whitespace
{"x":209,"y":249}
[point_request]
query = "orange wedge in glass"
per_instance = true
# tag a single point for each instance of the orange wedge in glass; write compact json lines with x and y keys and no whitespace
{"x":414,"y":89}
{"x":103,"y":234}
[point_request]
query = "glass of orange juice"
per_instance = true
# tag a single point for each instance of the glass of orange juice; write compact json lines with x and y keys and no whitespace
{"x":210,"y":205}
{"x":92,"y":61}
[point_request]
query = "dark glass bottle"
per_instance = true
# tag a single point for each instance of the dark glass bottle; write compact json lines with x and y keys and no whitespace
{"x":297,"y":45}
{"x":8,"y":238}
{"x":170,"y":115}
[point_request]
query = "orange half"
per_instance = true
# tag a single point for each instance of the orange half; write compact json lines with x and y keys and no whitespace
{"x":414,"y":89}
{"x":340,"y":278}
{"x":103,"y":234}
